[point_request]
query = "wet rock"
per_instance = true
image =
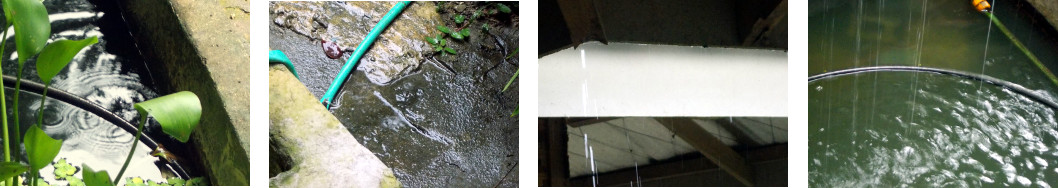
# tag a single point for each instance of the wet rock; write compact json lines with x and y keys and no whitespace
{"x":399,"y":50}
{"x":316,"y":147}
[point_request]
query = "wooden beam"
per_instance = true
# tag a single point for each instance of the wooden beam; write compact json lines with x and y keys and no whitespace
{"x":577,"y":122}
{"x":739,"y":132}
{"x":711,"y":147}
{"x":763,"y":26}
{"x":557,"y":156}
{"x":675,"y":167}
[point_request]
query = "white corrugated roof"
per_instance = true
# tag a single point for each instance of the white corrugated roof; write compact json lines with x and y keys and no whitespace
{"x":624,"y":142}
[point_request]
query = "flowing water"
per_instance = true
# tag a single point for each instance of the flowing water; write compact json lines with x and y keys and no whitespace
{"x":893,"y":129}
{"x":434,"y":119}
{"x":111,"y":73}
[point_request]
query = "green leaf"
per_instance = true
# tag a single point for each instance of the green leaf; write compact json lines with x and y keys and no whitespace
{"x":512,"y":54}
{"x":459,"y":19}
{"x":438,"y":49}
{"x":32,"y":27}
{"x":175,"y":181}
{"x":95,"y":178}
{"x":442,"y":43}
{"x":74,"y":181}
{"x":511,"y":81}
{"x":40,"y":148}
{"x":11,"y":169}
{"x":57,"y":55}
{"x":485,"y":26}
{"x":444,"y":29}
{"x":476,"y":15}
{"x":515,"y":112}
{"x":432,"y":40}
{"x":450,"y":50}
{"x":457,"y":35}
{"x":178,"y":113}
{"x":465,"y":32}
{"x":41,"y":182}
{"x":503,"y":8}
{"x":196,"y":182}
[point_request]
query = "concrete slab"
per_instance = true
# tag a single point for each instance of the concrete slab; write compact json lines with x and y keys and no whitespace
{"x":202,"y":46}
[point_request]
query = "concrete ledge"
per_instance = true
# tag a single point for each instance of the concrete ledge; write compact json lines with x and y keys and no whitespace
{"x":1049,"y":10}
{"x":310,"y":147}
{"x":202,"y":47}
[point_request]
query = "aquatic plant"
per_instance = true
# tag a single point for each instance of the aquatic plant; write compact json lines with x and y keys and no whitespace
{"x":177,"y":113}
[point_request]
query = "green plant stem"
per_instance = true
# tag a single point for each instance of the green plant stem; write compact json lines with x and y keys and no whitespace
{"x":1022,"y":47}
{"x":3,"y":108}
{"x":40,"y":112}
{"x":18,"y":131}
{"x":139,"y":131}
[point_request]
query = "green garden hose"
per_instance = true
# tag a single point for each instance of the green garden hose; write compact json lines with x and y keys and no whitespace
{"x":276,"y":56}
{"x":360,"y":50}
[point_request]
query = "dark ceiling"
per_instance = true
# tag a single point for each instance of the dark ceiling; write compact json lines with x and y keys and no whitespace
{"x":724,"y":23}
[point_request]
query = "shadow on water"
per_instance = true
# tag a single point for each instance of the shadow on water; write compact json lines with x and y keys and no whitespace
{"x":111,"y":74}
{"x":892,"y":129}
{"x":434,"y":119}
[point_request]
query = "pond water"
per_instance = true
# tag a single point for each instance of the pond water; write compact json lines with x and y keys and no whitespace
{"x":111,"y":74}
{"x":434,"y":119}
{"x":893,"y":129}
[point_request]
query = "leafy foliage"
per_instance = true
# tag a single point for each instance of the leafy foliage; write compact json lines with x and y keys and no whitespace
{"x":57,"y":55}
{"x":95,"y":178}
{"x":32,"y":27}
{"x":178,"y":113}
{"x":40,"y":148}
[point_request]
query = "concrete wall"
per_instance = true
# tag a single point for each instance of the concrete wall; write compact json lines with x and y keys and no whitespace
{"x":1049,"y":9}
{"x":201,"y":46}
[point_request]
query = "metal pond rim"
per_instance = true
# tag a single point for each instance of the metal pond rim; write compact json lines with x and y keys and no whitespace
{"x":979,"y":77}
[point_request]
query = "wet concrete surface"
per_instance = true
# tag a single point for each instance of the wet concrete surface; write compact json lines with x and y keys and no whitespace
{"x":440,"y":119}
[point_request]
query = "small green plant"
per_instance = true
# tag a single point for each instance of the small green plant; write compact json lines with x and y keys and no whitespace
{"x":177,"y":113}
{"x":439,"y":43}
{"x":462,"y":31}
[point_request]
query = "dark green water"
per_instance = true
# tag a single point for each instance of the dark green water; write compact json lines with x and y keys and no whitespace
{"x":894,"y":129}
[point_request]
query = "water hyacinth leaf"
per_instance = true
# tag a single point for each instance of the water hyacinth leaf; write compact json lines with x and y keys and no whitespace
{"x":178,"y":113}
{"x":450,"y":50}
{"x":40,"y":148}
{"x":503,"y":8}
{"x":11,"y":169}
{"x":459,"y":19}
{"x":95,"y":178}
{"x":57,"y":55}
{"x":444,"y":29}
{"x":32,"y":27}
